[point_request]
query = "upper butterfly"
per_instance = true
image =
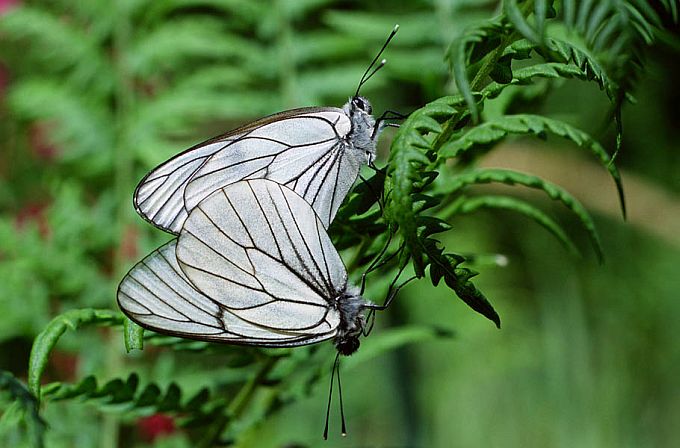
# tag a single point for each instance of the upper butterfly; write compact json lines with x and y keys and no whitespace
{"x":315,"y":151}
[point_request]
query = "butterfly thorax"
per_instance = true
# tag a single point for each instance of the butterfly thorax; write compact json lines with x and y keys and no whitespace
{"x":350,"y":305}
{"x":363,"y":135}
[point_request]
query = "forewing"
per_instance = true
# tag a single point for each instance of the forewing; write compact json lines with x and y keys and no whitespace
{"x":159,"y":197}
{"x":306,"y":152}
{"x":281,"y":147}
{"x":258,"y":249}
{"x":157,"y":295}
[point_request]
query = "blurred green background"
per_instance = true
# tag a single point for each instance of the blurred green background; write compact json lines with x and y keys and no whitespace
{"x":94,"y":94}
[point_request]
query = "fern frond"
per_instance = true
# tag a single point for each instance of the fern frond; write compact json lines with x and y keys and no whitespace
{"x":554,"y":192}
{"x":415,"y":27}
{"x":462,"y":53}
{"x":564,"y":52}
{"x":23,"y":413}
{"x":493,"y":131}
{"x":470,"y":205}
{"x":57,"y":45}
{"x":129,"y":396}
{"x":518,"y":19}
{"x":48,"y":338}
{"x":447,"y":266}
{"x":410,"y":157}
{"x":83,"y":125}
{"x":180,"y":44}
{"x":242,"y":10}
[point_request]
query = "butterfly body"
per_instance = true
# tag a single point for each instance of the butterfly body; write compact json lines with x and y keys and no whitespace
{"x":350,"y":306}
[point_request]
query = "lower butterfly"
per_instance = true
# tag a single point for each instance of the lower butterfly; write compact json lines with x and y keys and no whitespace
{"x":253,"y":265}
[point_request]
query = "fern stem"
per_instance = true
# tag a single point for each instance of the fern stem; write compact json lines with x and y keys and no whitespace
{"x":237,"y":405}
{"x":449,"y":127}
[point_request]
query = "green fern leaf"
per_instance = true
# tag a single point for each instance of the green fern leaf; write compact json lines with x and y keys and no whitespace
{"x":24,"y":410}
{"x":470,"y":205}
{"x":179,"y":44}
{"x":447,"y":266}
{"x":130,"y":396}
{"x":497,"y":129}
{"x":409,"y":158}
{"x":48,"y":338}
{"x":553,"y":191}
{"x":57,"y":45}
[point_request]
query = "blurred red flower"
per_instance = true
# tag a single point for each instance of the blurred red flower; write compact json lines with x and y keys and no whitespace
{"x":128,"y":245}
{"x":34,"y":212}
{"x":154,"y":426}
{"x":41,"y":145}
{"x":6,"y":5}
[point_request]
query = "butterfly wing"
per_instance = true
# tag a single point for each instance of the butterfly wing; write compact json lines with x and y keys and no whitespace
{"x":157,"y":295}
{"x":159,"y":197}
{"x":302,"y":148}
{"x":258,"y":250}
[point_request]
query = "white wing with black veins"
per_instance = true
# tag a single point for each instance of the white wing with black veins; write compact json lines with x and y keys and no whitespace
{"x":253,"y":265}
{"x":304,"y":149}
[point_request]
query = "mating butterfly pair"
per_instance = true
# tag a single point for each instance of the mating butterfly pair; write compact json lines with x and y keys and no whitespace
{"x":253,"y":263}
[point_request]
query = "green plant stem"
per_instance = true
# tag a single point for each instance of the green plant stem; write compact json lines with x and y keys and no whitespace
{"x":477,"y":82}
{"x":237,"y":405}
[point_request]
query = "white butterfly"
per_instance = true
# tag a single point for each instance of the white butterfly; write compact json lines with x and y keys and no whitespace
{"x":316,"y":151}
{"x":253,"y":265}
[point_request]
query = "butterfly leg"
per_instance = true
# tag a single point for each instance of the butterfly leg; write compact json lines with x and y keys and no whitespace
{"x":375,"y":263}
{"x":393,"y":290}
{"x":387,"y":115}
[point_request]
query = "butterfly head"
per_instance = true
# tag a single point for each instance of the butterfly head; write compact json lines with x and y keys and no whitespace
{"x":363,"y":135}
{"x":362,"y":104}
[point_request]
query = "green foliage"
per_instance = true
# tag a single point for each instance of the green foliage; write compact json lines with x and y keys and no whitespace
{"x":101,"y":92}
{"x":48,"y":338}
{"x":129,"y":396}
{"x":445,"y":129}
{"x":22,"y":412}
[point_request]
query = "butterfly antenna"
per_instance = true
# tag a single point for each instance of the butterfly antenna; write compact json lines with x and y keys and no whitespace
{"x":330,"y":397}
{"x":342,"y":408}
{"x":366,"y":76}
